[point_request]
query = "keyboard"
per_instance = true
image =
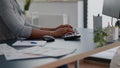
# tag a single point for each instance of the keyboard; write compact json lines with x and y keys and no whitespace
{"x":72,"y":36}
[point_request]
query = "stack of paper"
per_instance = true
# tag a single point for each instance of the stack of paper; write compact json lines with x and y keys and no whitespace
{"x":32,"y":52}
{"x":11,"y":53}
{"x":17,"y":55}
{"x":5,"y":48}
{"x":47,"y":51}
{"x":29,"y":43}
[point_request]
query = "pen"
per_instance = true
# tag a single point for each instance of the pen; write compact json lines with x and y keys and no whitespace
{"x":33,"y":42}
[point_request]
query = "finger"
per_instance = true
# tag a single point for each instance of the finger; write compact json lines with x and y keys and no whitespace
{"x":70,"y":30}
{"x":69,"y":26}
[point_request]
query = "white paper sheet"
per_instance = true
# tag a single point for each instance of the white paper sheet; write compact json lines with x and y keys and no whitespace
{"x":47,"y":51}
{"x":11,"y":53}
{"x":6,"y":48}
{"x":17,"y":55}
{"x":29,"y":43}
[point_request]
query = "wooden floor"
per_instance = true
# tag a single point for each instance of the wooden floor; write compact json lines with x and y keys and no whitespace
{"x":90,"y":64}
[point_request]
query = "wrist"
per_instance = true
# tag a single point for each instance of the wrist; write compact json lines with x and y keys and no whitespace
{"x":55,"y":28}
{"x":51,"y":33}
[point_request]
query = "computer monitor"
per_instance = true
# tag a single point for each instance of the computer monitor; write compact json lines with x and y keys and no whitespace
{"x":111,"y":8}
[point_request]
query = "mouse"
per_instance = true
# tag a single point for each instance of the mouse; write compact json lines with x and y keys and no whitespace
{"x":48,"y":38}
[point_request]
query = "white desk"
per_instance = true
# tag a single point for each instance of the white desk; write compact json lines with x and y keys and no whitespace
{"x":85,"y":47}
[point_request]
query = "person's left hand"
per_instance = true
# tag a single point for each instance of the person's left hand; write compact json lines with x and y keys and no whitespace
{"x":64,"y":26}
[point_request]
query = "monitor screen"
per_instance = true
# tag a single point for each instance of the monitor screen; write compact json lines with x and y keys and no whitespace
{"x":111,"y":8}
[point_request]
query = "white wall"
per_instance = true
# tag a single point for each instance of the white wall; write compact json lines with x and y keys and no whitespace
{"x":80,"y":14}
{"x":72,"y":9}
{"x":68,"y":8}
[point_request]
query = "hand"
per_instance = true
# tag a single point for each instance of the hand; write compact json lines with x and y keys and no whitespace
{"x":64,"y":26}
{"x":62,"y":31}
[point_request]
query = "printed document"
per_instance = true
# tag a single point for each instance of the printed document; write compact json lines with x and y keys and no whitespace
{"x":6,"y":48}
{"x":47,"y":51}
{"x":11,"y":53}
{"x":17,"y":55}
{"x":29,"y":43}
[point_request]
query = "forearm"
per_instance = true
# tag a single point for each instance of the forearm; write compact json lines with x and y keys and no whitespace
{"x":48,"y":29}
{"x":36,"y":33}
{"x":40,"y":33}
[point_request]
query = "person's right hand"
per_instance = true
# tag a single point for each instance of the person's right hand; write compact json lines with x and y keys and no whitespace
{"x":64,"y":26}
{"x":62,"y":31}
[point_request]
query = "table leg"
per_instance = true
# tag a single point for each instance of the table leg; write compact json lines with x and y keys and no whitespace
{"x":77,"y":64}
